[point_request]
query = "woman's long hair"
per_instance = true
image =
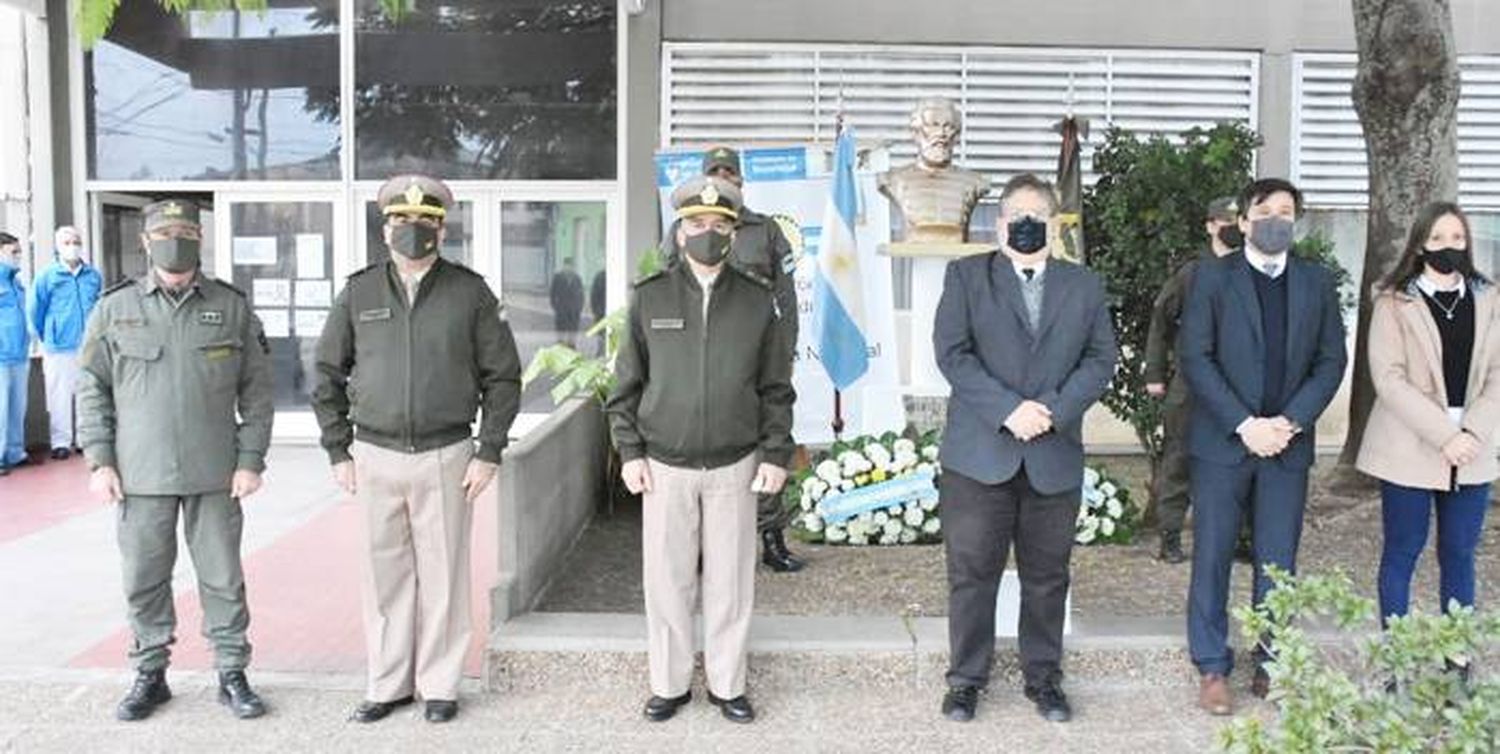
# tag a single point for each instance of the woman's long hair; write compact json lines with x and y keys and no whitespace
{"x":1409,"y":268}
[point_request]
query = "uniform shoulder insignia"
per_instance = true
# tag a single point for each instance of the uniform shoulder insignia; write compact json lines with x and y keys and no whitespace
{"x":231,"y":287}
{"x":120,"y":286}
{"x":648,"y":278}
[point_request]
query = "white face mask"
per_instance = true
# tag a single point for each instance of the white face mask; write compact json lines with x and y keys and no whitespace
{"x":70,"y":252}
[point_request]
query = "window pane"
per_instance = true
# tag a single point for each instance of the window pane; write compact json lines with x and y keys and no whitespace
{"x":486,"y":89}
{"x":552,"y":280}
{"x":458,"y":235}
{"x":215,"y":95}
{"x":282,"y":256}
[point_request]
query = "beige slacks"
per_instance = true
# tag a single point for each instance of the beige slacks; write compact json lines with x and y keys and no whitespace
{"x":687,"y":512}
{"x":416,"y":583}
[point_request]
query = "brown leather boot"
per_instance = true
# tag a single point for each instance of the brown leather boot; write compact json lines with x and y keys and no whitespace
{"x":1214,"y":695}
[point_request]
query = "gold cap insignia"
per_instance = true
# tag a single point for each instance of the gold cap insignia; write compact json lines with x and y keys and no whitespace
{"x":710,"y":196}
{"x":171,"y":209}
{"x":414,"y":194}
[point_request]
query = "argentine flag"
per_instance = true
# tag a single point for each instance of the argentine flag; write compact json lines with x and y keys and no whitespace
{"x":838,"y":315}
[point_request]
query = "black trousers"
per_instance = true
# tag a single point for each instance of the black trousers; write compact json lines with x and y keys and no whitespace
{"x":772,"y":513}
{"x":980,"y":524}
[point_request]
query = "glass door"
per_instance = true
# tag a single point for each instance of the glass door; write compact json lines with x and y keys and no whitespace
{"x":285,"y":252}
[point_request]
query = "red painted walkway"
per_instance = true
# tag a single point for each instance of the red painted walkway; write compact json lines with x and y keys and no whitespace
{"x":303,"y":587}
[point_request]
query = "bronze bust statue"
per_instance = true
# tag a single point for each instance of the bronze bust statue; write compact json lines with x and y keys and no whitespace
{"x":934,"y":196}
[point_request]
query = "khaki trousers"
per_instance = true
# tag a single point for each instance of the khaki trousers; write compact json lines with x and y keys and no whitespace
{"x":416,"y":585}
{"x":688,"y":512}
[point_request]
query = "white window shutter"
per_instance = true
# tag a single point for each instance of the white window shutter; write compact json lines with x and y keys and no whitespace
{"x":1328,"y":145}
{"x":1011,"y":97}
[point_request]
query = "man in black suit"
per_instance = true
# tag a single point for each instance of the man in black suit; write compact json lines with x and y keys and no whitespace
{"x":1262,"y":347}
{"x":1026,"y":344}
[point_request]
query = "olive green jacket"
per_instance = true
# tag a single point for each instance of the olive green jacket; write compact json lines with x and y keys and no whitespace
{"x":411,"y":378}
{"x":160,"y":383}
{"x":702,"y":393}
{"x":1161,"y":338}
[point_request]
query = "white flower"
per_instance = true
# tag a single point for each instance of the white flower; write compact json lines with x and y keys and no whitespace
{"x":881,"y":517}
{"x":1109,"y":489}
{"x":828,"y":472}
{"x":895,"y":510}
{"x":904,"y":461}
{"x":932,"y":525}
{"x":1085,"y":536}
{"x":1094,"y":497}
{"x":908,"y":535}
{"x":846,"y":485}
{"x":1107,"y":527}
{"x":930,"y":452}
{"x":914,"y":516}
{"x":925,"y":468}
{"x":866,"y":518}
{"x":812,"y":522}
{"x":890,"y":539}
{"x":929,"y":503}
{"x":858,"y":528}
{"x":1114,"y":508}
{"x":903,"y":445}
{"x":1083,"y":515}
{"x":893,"y":528}
{"x":1090,"y":477}
{"x":859,"y":541}
{"x":835,"y":533}
{"x":877,"y":454}
{"x":807,"y":502}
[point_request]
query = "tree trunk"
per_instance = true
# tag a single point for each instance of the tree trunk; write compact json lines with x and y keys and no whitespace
{"x":1406,"y":94}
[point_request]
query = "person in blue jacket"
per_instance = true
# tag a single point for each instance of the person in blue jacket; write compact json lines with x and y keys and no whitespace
{"x":62,"y":296}
{"x":14,"y":357}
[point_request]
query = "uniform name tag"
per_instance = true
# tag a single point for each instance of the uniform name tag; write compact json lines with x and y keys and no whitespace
{"x":210,"y":318}
{"x":370,"y":315}
{"x":129,"y":322}
{"x":214,"y":354}
{"x":667,"y":324}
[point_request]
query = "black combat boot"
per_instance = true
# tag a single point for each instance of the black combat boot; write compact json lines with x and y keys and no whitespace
{"x":775,"y":555}
{"x":236,"y":694}
{"x":147,"y":693}
{"x":1171,"y":548}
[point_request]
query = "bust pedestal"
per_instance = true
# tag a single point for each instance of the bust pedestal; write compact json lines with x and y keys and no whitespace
{"x":928,"y":266}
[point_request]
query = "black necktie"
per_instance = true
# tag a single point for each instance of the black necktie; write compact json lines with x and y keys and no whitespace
{"x":1029,"y":273}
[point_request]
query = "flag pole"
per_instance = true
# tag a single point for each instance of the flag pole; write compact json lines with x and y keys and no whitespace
{"x":838,"y":395}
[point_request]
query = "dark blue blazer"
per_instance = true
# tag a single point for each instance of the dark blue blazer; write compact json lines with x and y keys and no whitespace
{"x":1222,"y":352}
{"x":993,"y":363}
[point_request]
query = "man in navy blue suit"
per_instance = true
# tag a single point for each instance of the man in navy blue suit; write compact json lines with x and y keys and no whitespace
{"x":1262,"y":347}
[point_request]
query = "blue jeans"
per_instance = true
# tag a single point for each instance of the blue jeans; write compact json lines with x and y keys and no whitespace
{"x":1407,"y":513}
{"x":13,"y":379}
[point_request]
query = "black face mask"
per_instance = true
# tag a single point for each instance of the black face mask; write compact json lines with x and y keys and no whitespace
{"x":1230,"y":236}
{"x":708,"y":248}
{"x":414,"y":240}
{"x":1444,"y":261}
{"x":1027,"y":235}
{"x":174,"y":254}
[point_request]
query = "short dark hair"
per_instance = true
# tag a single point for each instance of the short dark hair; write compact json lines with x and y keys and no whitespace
{"x":1029,"y":181}
{"x":1262,"y":188}
{"x":1409,"y":267}
{"x":7,"y":239}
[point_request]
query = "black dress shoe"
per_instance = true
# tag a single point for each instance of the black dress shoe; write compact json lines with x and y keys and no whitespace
{"x":959,"y":703}
{"x":736,"y":710}
{"x":1171,"y":548}
{"x":147,"y":693}
{"x":661,"y":709}
{"x":1051,"y":702}
{"x":369,"y":712}
{"x":440,"y":710}
{"x":236,"y":694}
{"x":61,"y":454}
{"x":775,"y":555}
{"x":1260,"y":685}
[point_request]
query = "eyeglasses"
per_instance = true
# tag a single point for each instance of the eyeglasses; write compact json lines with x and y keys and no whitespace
{"x":423,"y":220}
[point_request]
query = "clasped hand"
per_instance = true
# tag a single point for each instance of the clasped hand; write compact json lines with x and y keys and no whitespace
{"x":1267,"y":437}
{"x":1029,"y":421}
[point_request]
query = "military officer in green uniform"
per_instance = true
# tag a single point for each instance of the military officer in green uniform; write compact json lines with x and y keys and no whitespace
{"x":174,"y":415}
{"x":761,"y":250}
{"x":1163,"y":381}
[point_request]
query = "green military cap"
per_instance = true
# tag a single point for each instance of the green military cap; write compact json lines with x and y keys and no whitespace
{"x":1224,"y":209}
{"x":169,"y":212}
{"x":721,"y":157}
{"x":707,"y":195}
{"x":414,"y":194}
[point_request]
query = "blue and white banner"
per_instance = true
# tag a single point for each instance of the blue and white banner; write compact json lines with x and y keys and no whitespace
{"x":838,"y":316}
{"x":842,"y":506}
{"x":795,"y":182}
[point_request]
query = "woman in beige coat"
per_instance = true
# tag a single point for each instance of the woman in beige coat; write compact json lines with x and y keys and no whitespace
{"x":1435,"y":361}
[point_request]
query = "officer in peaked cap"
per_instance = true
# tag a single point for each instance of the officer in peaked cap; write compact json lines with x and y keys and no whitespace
{"x":168,"y":361}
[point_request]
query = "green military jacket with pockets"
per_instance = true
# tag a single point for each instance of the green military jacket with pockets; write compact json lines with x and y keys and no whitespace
{"x":160,"y":384}
{"x":699,"y":392}
{"x":412,"y":377}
